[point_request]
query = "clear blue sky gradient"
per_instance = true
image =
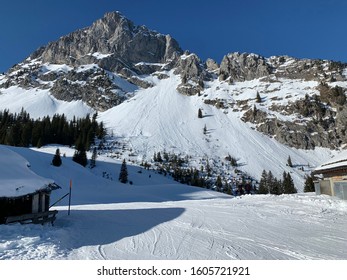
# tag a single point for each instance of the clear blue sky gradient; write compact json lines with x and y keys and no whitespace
{"x":211,"y":28}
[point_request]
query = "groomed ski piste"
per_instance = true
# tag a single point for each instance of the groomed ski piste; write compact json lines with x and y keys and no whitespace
{"x":156,"y":218}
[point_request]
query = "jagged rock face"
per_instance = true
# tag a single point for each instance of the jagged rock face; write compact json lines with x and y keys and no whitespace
{"x":317,"y":125}
{"x":307,"y":69}
{"x":211,"y":65}
{"x":112,"y":42}
{"x":193,"y":74}
{"x":243,"y":67}
{"x":95,"y":88}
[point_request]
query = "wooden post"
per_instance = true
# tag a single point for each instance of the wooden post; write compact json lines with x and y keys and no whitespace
{"x":70,"y":197}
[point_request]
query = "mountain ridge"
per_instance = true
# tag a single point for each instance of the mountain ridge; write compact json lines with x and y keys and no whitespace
{"x":113,"y":65}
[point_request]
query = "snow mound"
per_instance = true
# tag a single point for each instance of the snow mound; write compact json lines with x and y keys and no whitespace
{"x":16,"y":178}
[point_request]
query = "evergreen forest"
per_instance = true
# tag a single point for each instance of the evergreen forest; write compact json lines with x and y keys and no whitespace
{"x":20,"y":130}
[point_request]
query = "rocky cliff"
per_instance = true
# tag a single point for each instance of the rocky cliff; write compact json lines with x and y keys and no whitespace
{"x":113,"y":42}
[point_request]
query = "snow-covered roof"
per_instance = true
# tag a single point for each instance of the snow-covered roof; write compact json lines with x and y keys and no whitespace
{"x":336,"y":162}
{"x":16,"y":178}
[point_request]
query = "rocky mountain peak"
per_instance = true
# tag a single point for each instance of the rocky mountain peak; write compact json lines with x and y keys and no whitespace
{"x":300,"y":102}
{"x":113,"y":42}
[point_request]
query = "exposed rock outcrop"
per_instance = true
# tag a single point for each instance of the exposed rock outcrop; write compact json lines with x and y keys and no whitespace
{"x":211,"y":65}
{"x":242,"y":67}
{"x":193,"y":74}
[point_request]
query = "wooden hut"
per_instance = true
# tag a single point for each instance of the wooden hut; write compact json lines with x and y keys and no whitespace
{"x":24,"y":196}
{"x":332,"y":177}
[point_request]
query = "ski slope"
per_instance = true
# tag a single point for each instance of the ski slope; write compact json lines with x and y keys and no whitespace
{"x":159,"y":118}
{"x":156,"y":218}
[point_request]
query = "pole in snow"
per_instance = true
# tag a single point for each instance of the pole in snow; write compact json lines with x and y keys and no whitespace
{"x":70,"y":197}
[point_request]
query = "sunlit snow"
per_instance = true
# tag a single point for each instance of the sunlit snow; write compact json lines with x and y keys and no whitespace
{"x":157,"y":218}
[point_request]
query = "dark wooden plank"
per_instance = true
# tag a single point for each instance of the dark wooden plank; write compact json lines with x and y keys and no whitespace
{"x":39,"y":218}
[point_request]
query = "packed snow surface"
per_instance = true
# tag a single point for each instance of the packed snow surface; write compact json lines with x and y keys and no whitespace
{"x":157,"y":218}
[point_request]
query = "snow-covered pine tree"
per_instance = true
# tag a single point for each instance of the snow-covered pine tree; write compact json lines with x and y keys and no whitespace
{"x":56,"y":161}
{"x":123,"y":175}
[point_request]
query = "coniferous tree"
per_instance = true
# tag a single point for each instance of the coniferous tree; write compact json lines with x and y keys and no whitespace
{"x":309,"y":185}
{"x":195,"y":181}
{"x":80,"y":156}
{"x":270,"y":181}
{"x":258,"y":98}
{"x":93,"y":158}
{"x":205,"y":129}
{"x":166,"y":156}
{"x":288,"y":184}
{"x":208,"y":169}
{"x":276,"y":187}
{"x":233,"y":162}
{"x":159,"y":158}
{"x":289,"y":162}
{"x":21,"y":130}
{"x":56,"y":161}
{"x":123,"y":175}
{"x":199,"y":114}
{"x":39,"y":143}
{"x":263,"y":185}
{"x":219,"y":183}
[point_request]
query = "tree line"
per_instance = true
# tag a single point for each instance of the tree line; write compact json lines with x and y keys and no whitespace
{"x":19,"y":129}
{"x":271,"y":185}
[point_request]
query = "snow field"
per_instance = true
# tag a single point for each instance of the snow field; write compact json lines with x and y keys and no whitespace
{"x":156,"y":218}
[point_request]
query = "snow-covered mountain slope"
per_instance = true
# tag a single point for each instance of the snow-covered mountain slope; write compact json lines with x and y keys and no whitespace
{"x":156,"y":218}
{"x":159,"y":118}
{"x":148,"y":92}
{"x":40,"y":103}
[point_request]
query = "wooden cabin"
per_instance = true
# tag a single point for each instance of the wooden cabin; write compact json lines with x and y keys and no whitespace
{"x":332,"y":178}
{"x":24,"y":195}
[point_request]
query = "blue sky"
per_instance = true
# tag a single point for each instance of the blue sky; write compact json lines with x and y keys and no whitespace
{"x":213,"y":28}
